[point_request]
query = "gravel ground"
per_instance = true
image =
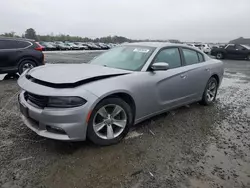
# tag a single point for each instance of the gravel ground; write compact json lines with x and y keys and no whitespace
{"x":193,"y":146}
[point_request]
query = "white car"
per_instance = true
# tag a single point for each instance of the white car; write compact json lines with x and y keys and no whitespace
{"x":206,"y":48}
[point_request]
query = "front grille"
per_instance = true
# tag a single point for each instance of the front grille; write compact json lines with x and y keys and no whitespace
{"x":38,"y":100}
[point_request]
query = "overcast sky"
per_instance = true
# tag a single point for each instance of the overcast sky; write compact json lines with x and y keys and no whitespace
{"x":186,"y":20}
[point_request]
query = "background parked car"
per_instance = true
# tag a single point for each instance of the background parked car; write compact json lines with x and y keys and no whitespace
{"x":81,"y":45}
{"x":104,"y":46}
{"x":93,"y":46}
{"x":61,"y":46}
{"x":17,"y":55}
{"x":48,"y":46}
{"x":234,"y":51}
{"x":73,"y":46}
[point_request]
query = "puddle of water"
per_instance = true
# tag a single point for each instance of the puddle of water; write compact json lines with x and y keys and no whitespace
{"x":227,"y":163}
{"x":133,"y":134}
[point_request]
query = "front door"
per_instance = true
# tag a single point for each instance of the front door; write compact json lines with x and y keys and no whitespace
{"x":170,"y":85}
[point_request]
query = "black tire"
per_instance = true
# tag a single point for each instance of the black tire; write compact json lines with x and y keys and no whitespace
{"x":24,"y":63}
{"x":205,"y":100}
{"x":219,"y":55}
{"x":92,"y":135}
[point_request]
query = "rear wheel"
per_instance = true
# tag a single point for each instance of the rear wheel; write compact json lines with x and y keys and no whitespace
{"x":210,"y":92}
{"x":26,"y":64}
{"x":109,"y":122}
{"x":248,"y":57}
{"x":219,"y":56}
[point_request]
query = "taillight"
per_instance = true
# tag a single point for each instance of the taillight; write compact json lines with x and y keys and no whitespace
{"x":39,"y":47}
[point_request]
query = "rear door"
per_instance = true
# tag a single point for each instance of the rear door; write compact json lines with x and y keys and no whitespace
{"x":232,"y":51}
{"x":197,"y":71}
{"x":4,"y":55}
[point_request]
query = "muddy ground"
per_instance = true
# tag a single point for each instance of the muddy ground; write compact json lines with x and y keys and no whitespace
{"x":193,"y":146}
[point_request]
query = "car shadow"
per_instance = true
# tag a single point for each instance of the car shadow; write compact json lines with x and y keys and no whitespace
{"x":10,"y":77}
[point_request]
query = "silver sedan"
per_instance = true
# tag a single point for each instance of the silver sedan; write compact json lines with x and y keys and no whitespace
{"x":101,"y":100}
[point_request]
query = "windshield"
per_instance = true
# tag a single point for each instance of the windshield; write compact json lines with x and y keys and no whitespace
{"x":125,"y":57}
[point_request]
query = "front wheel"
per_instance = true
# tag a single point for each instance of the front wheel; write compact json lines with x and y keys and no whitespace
{"x":109,"y":122}
{"x":219,"y":56}
{"x":210,"y":92}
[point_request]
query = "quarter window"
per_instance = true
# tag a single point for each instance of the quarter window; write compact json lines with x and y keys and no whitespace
{"x":190,"y":56}
{"x":201,"y":58}
{"x":170,"y":56}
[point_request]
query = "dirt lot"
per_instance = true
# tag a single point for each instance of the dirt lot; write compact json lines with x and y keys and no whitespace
{"x":193,"y":146}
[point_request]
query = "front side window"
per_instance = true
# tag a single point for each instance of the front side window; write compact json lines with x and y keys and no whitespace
{"x":125,"y":57}
{"x":230,"y":47}
{"x":239,"y":47}
{"x":170,"y":56}
{"x":190,"y":56}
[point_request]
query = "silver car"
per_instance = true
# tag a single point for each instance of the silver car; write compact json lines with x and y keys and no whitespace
{"x":124,"y":86}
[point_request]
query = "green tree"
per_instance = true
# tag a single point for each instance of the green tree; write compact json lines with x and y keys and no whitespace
{"x":10,"y":34}
{"x":30,"y":34}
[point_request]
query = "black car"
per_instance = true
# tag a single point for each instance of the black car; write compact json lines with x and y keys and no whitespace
{"x":234,"y":51}
{"x":17,"y":55}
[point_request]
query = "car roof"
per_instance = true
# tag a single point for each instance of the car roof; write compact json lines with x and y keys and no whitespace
{"x":13,"y":38}
{"x":154,"y":44}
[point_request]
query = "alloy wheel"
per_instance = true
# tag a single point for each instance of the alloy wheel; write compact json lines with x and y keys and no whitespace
{"x":211,"y":90}
{"x":110,"y":121}
{"x":219,"y":56}
{"x":27,"y":66}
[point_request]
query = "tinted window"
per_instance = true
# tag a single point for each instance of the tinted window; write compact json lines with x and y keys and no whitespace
{"x":170,"y":56}
{"x":239,"y":47}
{"x":231,"y":48}
{"x":12,"y":44}
{"x":190,"y":56}
{"x":1,"y":44}
{"x":22,"y":44}
{"x":201,"y":58}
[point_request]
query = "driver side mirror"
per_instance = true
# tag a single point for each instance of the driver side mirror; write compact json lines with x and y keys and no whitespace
{"x":158,"y":66}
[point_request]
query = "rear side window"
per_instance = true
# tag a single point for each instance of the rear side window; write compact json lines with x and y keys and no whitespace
{"x":191,"y":56}
{"x":170,"y":56}
{"x":13,"y":44}
{"x":22,"y":44}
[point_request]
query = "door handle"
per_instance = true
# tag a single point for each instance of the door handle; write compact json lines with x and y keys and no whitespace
{"x":207,"y":69}
{"x":183,"y":76}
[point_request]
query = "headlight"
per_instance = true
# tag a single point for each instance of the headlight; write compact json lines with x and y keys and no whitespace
{"x":65,"y":102}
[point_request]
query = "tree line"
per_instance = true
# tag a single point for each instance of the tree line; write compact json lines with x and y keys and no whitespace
{"x":31,"y":34}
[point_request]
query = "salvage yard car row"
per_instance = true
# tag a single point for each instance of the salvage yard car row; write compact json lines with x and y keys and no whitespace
{"x":59,"y":45}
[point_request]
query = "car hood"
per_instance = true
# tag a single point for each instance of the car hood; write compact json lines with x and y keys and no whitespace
{"x":72,"y":73}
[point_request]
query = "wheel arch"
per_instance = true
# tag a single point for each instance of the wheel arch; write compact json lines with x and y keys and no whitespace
{"x":27,"y":58}
{"x":124,"y":96}
{"x":216,"y":77}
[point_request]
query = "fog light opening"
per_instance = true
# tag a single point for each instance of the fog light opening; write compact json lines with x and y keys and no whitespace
{"x":55,"y":130}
